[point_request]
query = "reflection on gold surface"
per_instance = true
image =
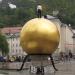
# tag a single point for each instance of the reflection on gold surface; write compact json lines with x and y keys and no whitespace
{"x":39,"y":36}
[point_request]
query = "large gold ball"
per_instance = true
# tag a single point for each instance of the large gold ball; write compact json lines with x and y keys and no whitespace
{"x":39,"y":36}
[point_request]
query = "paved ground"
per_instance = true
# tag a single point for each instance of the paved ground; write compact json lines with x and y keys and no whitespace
{"x":65,"y":68}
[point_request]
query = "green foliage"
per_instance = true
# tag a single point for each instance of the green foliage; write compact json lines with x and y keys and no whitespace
{"x":26,"y":10}
{"x":3,"y":45}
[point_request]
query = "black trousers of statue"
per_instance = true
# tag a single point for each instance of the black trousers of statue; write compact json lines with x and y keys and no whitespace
{"x":39,"y":13}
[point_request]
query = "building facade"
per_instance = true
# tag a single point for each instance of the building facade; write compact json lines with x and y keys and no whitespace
{"x":66,"y":34}
{"x":12,"y":35}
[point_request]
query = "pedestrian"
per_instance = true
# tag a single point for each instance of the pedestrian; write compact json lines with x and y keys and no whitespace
{"x":70,"y":54}
{"x":61,"y":56}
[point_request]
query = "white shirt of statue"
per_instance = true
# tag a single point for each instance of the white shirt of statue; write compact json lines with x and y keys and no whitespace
{"x":39,"y":7}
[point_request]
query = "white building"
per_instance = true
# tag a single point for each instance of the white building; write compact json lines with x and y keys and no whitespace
{"x":66,"y":34}
{"x":12,"y":34}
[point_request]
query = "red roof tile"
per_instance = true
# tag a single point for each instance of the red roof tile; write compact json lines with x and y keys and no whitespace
{"x":11,"y":30}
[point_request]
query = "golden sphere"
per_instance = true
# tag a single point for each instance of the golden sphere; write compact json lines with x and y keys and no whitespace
{"x":39,"y":36}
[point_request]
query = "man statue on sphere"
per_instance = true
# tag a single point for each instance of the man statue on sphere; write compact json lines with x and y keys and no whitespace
{"x":39,"y":11}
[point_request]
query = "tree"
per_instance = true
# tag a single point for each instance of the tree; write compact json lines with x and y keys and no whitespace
{"x":26,"y":10}
{"x":3,"y":45}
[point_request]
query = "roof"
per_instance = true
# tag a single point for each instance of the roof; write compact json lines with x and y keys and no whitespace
{"x":50,"y":17}
{"x":11,"y":30}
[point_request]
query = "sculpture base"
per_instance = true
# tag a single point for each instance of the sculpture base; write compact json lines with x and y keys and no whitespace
{"x":41,"y":68}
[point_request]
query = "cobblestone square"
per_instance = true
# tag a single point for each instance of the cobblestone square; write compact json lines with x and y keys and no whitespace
{"x":64,"y":68}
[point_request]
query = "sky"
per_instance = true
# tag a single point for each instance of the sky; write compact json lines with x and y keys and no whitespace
{"x":0,"y":0}
{"x":12,"y":6}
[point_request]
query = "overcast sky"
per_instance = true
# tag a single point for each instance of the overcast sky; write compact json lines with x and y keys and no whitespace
{"x":12,"y":6}
{"x":0,"y":0}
